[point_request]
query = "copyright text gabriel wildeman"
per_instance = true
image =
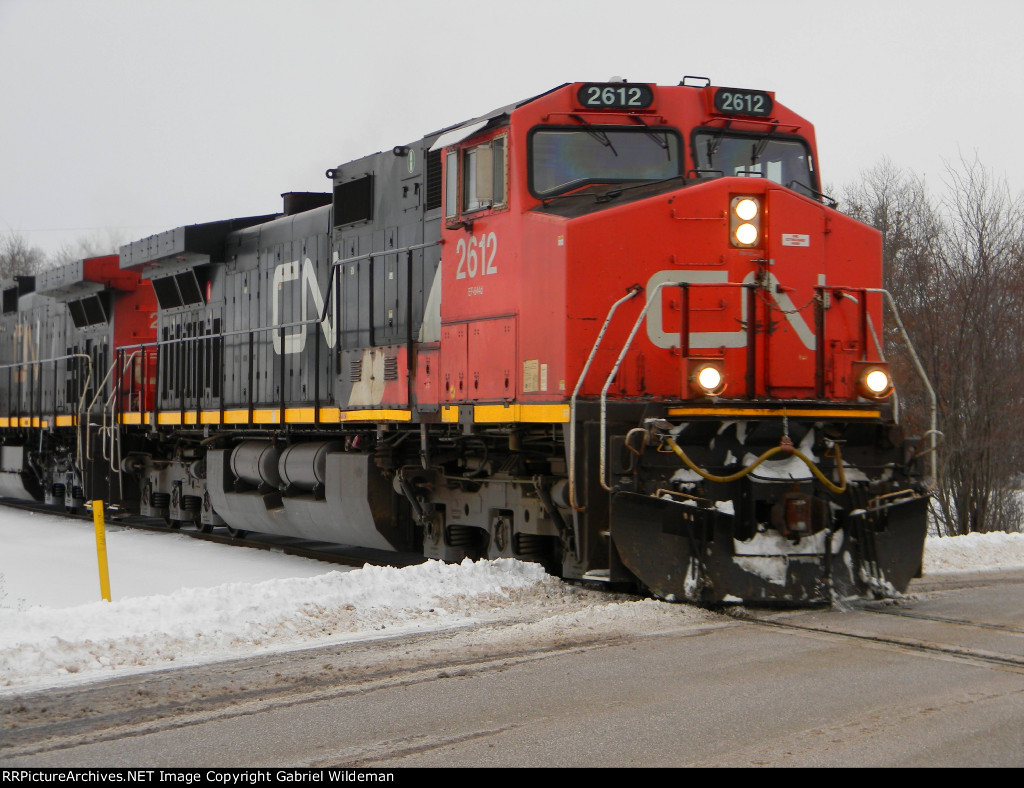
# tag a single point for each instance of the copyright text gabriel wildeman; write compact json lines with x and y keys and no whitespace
{"x":189,"y":776}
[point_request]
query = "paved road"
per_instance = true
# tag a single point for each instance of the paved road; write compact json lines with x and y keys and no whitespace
{"x":935,"y":681}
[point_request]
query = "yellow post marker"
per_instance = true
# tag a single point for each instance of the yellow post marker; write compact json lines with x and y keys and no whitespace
{"x":101,"y":548}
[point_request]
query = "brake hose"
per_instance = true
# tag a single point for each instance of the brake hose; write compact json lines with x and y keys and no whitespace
{"x":786,"y":445}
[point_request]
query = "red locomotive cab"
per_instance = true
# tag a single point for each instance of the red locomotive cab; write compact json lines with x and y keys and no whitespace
{"x":705,"y":200}
{"x":479,"y":263}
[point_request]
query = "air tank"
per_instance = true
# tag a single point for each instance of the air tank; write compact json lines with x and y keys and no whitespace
{"x":255,"y":463}
{"x":303,"y":465}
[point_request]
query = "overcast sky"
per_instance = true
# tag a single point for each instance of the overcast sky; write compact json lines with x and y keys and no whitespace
{"x":136,"y":116}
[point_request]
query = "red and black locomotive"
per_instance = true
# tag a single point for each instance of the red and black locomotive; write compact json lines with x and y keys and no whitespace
{"x":615,"y":328}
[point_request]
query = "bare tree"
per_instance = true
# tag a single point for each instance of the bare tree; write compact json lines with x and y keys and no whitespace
{"x":95,"y":245}
{"x":17,"y":258}
{"x":897,"y":204}
{"x":956,"y":271}
{"x":981,"y":363}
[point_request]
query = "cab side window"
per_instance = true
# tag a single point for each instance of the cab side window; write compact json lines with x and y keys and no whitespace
{"x":451,"y":184}
{"x":481,"y":179}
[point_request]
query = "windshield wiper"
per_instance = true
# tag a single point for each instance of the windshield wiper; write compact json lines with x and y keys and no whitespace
{"x":660,"y":138}
{"x":575,"y":191}
{"x":759,"y":146}
{"x":597,"y":134}
{"x":716,"y":142}
{"x":611,"y":194}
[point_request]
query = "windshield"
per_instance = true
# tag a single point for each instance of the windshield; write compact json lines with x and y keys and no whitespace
{"x":562,"y":159}
{"x":786,"y":161}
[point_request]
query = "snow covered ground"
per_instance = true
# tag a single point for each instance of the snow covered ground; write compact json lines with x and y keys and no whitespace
{"x":179,"y":601}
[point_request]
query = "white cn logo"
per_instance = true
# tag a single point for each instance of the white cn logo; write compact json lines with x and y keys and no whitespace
{"x":708,"y":339}
{"x":295,"y":338}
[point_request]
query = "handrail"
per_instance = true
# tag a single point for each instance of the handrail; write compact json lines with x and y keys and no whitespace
{"x":633,"y":292}
{"x":247,"y":332}
{"x":933,"y":407}
{"x":81,"y":400}
{"x":41,"y":361}
{"x":368,"y":256}
{"x":933,"y":400}
{"x":111,"y":405}
{"x":655,"y":293}
{"x":158,"y":343}
{"x":867,"y":328}
{"x":878,"y":349}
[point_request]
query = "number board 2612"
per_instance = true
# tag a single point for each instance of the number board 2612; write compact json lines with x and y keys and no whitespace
{"x":734,"y":101}
{"x":615,"y":95}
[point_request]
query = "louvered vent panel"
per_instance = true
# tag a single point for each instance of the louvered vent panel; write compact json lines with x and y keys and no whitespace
{"x":433,"y":198}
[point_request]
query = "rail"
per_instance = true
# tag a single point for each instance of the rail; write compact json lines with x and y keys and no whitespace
{"x":112,"y":404}
{"x":37,"y":412}
{"x":368,"y":256}
{"x":615,"y":369}
{"x":684,"y":346}
{"x":117,"y":371}
{"x":933,"y":431}
{"x":634,"y":291}
{"x":26,"y":392}
{"x":182,"y":391}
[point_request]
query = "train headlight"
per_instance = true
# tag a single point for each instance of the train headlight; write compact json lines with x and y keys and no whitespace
{"x":746,"y":235}
{"x":746,"y":209}
{"x":705,"y":377}
{"x":876,"y":381}
{"x":873,"y":380}
{"x":745,"y":222}
{"x":709,"y":378}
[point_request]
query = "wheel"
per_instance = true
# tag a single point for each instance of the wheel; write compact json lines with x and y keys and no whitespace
{"x":237,"y":533}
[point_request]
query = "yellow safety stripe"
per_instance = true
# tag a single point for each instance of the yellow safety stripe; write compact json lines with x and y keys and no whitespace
{"x":484,"y":414}
{"x":498,"y":414}
{"x":267,"y":416}
{"x":490,"y":414}
{"x":375,"y":415}
{"x":793,"y":413}
{"x":24,"y":421}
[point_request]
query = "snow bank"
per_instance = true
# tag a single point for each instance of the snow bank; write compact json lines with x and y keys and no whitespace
{"x":973,"y":553}
{"x":181,"y":602}
{"x":235,"y":619}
